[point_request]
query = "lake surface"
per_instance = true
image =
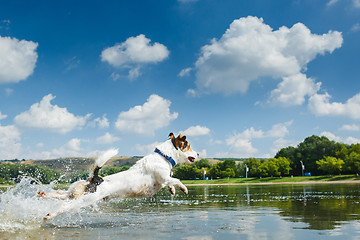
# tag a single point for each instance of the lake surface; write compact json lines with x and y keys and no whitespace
{"x":318,"y":211}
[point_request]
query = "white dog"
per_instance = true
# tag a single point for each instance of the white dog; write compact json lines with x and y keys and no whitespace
{"x":144,"y":179}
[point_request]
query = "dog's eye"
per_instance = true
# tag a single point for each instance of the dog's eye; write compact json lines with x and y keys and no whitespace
{"x":185,"y":145}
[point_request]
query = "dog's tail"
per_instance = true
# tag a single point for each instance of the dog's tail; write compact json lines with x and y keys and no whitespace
{"x":101,"y":160}
{"x":94,"y":178}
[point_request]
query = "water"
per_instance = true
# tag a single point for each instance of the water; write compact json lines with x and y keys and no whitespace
{"x":330,"y":211}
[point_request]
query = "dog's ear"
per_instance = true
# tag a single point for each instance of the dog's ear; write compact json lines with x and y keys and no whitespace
{"x":182,"y":137}
{"x":171,"y":135}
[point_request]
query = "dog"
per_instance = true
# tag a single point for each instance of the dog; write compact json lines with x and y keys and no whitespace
{"x":144,"y":179}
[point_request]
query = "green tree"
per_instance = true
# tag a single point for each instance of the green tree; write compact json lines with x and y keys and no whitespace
{"x":229,"y":172}
{"x":202,"y":163}
{"x":215,"y":171}
{"x":309,"y":151}
{"x":283,"y":165}
{"x":352,"y":163}
{"x":187,"y":172}
{"x":253,"y":164}
{"x":229,"y":163}
{"x":331,"y":165}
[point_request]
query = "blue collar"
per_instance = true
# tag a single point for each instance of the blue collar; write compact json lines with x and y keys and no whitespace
{"x":170,"y":159}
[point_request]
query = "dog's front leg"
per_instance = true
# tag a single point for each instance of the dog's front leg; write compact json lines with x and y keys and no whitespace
{"x":171,"y":182}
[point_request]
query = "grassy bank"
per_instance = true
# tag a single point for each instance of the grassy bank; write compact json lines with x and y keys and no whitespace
{"x":269,"y":180}
{"x":275,"y":180}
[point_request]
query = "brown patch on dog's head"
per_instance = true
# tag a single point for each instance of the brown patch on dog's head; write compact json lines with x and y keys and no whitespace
{"x":180,"y":142}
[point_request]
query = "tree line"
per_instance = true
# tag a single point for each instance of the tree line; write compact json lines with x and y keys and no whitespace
{"x":320,"y":156}
{"x":316,"y":155}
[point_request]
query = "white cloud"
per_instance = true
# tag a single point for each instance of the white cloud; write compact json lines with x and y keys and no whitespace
{"x":134,"y":52}
{"x":281,"y":143}
{"x":185,"y":72}
{"x":8,"y":91}
{"x":320,"y":105}
{"x":197,"y":131}
{"x":146,"y":149}
{"x":250,"y":49}
{"x":352,"y":140}
{"x":331,"y":3}
{"x":202,"y":153}
{"x":293,"y":89}
{"x":240,"y":143}
{"x":46,"y":116}
{"x":152,"y":115}
{"x":251,"y":133}
{"x":107,"y":139}
{"x":72,"y":63}
{"x":70,"y":149}
{"x":18,"y":59}
{"x":2,"y":116}
{"x":279,"y":130}
{"x":101,"y":122}
{"x":333,"y":137}
{"x":10,"y":146}
{"x":350,"y":127}
{"x":356,"y":3}
{"x":187,"y":1}
{"x":355,"y":27}
{"x":4,"y":24}
{"x":115,"y":76}
{"x":134,"y":72}
{"x":192,"y":93}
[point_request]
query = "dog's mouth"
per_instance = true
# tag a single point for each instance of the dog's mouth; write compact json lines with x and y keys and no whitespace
{"x":191,"y":159}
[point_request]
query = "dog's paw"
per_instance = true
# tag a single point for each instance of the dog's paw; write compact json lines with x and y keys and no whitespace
{"x":47,"y":217}
{"x":185,"y":190}
{"x":41,"y":194}
{"x":172,"y":190}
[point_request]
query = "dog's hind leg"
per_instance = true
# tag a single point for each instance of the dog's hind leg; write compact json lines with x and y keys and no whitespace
{"x":82,"y":201}
{"x":59,"y":194}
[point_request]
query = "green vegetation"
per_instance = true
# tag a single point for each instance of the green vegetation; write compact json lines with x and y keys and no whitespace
{"x":275,"y":180}
{"x":12,"y":173}
{"x":315,"y":155}
{"x":321,"y":156}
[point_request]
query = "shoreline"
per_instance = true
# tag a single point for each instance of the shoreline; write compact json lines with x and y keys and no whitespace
{"x":277,"y":183}
{"x":257,"y":183}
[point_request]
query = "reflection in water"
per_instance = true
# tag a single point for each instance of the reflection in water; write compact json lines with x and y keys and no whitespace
{"x":320,"y":206}
{"x":208,"y":212}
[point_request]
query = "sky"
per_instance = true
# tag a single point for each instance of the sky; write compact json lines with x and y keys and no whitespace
{"x":239,"y":78}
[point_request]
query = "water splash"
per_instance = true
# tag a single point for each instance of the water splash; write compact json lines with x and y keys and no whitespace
{"x":21,"y":209}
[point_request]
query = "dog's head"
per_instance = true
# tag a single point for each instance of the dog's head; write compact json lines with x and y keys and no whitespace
{"x":184,"y":153}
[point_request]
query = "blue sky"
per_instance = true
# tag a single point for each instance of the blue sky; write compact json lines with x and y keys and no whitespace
{"x":239,"y":78}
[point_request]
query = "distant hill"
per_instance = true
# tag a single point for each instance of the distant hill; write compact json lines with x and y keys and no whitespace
{"x":77,"y":164}
{"x":71,"y":165}
{"x":215,"y":160}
